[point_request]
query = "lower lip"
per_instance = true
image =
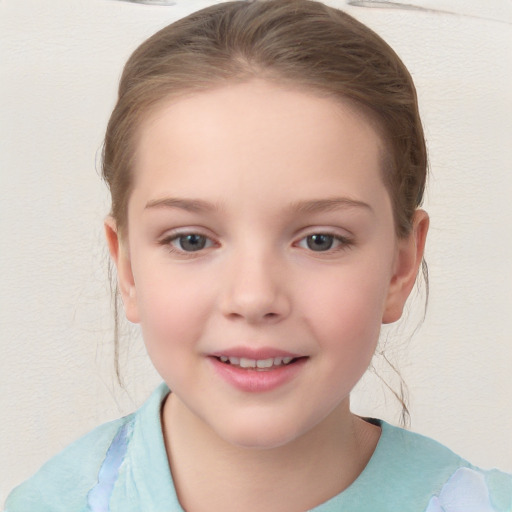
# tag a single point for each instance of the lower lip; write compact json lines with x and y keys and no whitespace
{"x":257,"y":381}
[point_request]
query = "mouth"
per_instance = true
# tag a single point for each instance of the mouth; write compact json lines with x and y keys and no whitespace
{"x":260,"y":365}
{"x":257,"y":370}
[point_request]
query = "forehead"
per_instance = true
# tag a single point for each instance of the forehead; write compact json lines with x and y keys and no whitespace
{"x":256,"y":134}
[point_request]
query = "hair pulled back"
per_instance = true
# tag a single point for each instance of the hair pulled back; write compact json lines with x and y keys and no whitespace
{"x":300,"y":43}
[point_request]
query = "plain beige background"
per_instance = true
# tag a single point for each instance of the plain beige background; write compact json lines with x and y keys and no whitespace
{"x":59,"y":63}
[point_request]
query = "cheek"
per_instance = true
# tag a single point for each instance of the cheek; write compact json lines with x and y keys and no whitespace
{"x":346,"y":310}
{"x":172,"y":308}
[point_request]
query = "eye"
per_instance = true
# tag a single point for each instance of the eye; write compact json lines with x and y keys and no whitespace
{"x":319,"y":242}
{"x":323,"y":242}
{"x":188,"y":242}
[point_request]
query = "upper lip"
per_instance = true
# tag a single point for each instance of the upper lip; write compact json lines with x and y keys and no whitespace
{"x":254,"y":353}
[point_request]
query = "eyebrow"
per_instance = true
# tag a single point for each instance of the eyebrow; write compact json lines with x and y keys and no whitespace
{"x":190,"y":205}
{"x":329,"y":204}
{"x":309,"y":206}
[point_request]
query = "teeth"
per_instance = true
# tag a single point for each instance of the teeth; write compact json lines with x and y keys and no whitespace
{"x":264,"y":363}
{"x":245,"y":362}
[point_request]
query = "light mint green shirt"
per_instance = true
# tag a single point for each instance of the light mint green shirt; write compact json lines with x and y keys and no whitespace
{"x":122,"y":467}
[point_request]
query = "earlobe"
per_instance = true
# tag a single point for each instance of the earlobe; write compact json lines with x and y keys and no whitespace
{"x":408,"y":261}
{"x":120,"y":257}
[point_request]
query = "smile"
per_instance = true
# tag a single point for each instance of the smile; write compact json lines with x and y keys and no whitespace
{"x":258,"y":364}
{"x":262,"y":372}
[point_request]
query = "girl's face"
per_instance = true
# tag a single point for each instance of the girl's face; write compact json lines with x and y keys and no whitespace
{"x":261,"y":257}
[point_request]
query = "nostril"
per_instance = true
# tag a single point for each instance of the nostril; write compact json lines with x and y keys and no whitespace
{"x":272,"y":318}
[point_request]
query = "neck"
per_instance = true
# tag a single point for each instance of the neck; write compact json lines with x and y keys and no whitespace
{"x":213,"y":475}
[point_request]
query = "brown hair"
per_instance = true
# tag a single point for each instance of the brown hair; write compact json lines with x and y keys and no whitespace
{"x":299,"y":43}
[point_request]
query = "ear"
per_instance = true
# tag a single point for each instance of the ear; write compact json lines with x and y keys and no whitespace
{"x":408,"y":260}
{"x":120,"y":256}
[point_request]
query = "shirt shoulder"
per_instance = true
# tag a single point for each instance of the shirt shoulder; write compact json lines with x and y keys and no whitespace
{"x":474,"y":490}
{"x":413,"y":473}
{"x":450,"y":482}
{"x":63,"y":482}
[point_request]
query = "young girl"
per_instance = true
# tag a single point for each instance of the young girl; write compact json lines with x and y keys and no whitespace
{"x":266,"y":162}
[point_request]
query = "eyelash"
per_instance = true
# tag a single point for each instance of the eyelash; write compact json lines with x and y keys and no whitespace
{"x":176,"y":237}
{"x":342,"y":242}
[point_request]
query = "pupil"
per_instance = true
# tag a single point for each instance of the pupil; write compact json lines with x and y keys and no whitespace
{"x":320,"y":242}
{"x":192,"y":242}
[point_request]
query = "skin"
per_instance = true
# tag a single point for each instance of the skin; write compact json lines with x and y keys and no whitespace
{"x":256,"y":169}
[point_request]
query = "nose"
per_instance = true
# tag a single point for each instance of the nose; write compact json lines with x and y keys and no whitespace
{"x":255,"y":290}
